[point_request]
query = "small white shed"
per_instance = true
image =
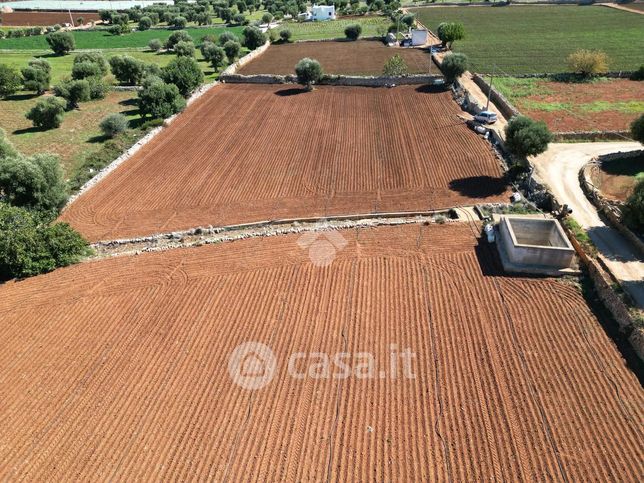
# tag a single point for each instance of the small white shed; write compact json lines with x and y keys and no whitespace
{"x":323,"y":12}
{"x":419,"y":36}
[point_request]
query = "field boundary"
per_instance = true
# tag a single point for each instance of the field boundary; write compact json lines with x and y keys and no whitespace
{"x":204,"y":236}
{"x":334,"y":80}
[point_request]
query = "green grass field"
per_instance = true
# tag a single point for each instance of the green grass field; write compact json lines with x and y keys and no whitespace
{"x":62,"y":66}
{"x":102,"y":39}
{"x":530,"y":39}
{"x":371,"y":26}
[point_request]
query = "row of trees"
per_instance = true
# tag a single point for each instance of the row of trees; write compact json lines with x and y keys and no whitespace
{"x":32,"y":192}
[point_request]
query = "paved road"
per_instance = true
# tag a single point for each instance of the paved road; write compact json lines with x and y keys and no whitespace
{"x":559,"y":169}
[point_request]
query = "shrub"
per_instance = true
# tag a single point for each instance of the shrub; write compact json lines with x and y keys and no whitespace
{"x":184,"y":49}
{"x":183,"y":72}
{"x":253,"y":37}
{"x":30,"y":246}
{"x":179,"y":22}
{"x":232,"y":50}
{"x":633,"y":209}
{"x":176,"y":37}
{"x":308,"y":71}
{"x":638,"y":75}
{"x":450,"y":32}
{"x":37,"y":75}
{"x":113,"y":124}
{"x":526,"y":137}
{"x":159,"y":100}
{"x":352,"y":32}
{"x":47,"y":113}
{"x":145,"y":23}
{"x":96,"y":58}
{"x":285,"y":35}
{"x":61,"y":42}
{"x":34,"y":183}
{"x":225,"y":37}
{"x":155,"y":45}
{"x":267,"y":18}
{"x":588,"y":62}
{"x":214,"y":54}
{"x":119,"y":29}
{"x":73,"y":91}
{"x":395,"y":66}
{"x":453,"y":66}
{"x":637,"y":129}
{"x":10,"y":81}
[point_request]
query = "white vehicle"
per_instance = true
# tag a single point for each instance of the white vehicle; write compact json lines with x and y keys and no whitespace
{"x":486,"y":117}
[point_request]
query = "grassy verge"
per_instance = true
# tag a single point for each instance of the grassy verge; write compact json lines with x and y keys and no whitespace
{"x":530,"y":39}
{"x":334,"y":29}
{"x":580,"y":234}
{"x":102,"y":39}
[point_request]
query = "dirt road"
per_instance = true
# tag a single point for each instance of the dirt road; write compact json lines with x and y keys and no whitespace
{"x":559,"y":168}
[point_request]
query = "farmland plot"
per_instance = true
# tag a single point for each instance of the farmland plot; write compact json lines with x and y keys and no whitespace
{"x":246,"y":153}
{"x":364,"y":57}
{"x":118,"y":369}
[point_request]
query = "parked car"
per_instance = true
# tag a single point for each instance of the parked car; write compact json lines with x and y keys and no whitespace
{"x":486,"y":117}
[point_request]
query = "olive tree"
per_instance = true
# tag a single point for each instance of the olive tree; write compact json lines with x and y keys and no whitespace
{"x":526,"y":137}
{"x":232,"y":50}
{"x":61,"y":43}
{"x":36,"y":76}
{"x":127,"y":70}
{"x":47,"y":113}
{"x":453,"y":66}
{"x":183,"y":72}
{"x":352,"y":32}
{"x":308,"y":71}
{"x":450,"y":32}
{"x":637,"y":129}
{"x":159,"y":100}
{"x":10,"y":81}
{"x":113,"y":124}
{"x":253,"y":37}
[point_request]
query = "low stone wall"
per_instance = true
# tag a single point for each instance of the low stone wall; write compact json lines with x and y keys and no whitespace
{"x":612,"y":212}
{"x":616,"y":74}
{"x":499,"y":100}
{"x":335,"y":80}
{"x":604,"y":285}
{"x":233,"y":68}
{"x":592,"y":135}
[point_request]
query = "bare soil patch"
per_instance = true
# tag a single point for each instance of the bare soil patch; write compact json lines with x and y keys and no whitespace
{"x":363,"y":57}
{"x":616,"y":179}
{"x":44,"y":19}
{"x":245,"y":153}
{"x":119,"y":369}
{"x":607,"y":105}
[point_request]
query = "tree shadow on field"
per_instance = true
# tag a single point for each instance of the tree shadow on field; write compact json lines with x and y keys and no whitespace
{"x":21,"y":97}
{"x":479,"y":186}
{"x":29,"y":130}
{"x":129,"y":102}
{"x":98,"y":139}
{"x":431,"y":89}
{"x":291,"y":92}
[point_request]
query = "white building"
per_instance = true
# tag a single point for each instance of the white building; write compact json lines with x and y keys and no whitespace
{"x":322,"y":12}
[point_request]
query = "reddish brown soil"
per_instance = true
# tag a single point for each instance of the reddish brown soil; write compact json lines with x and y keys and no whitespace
{"x":577,"y":119}
{"x":247,"y":153}
{"x":24,"y":19}
{"x":616,"y":179}
{"x":363,"y":57}
{"x":117,"y":370}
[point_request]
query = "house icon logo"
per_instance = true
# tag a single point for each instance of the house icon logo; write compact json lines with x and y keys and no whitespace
{"x":323,"y":246}
{"x":252,"y":365}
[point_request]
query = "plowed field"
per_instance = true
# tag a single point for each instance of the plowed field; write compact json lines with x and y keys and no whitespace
{"x":254,"y":152}
{"x":364,"y":57}
{"x":117,"y":370}
{"x":24,"y":19}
